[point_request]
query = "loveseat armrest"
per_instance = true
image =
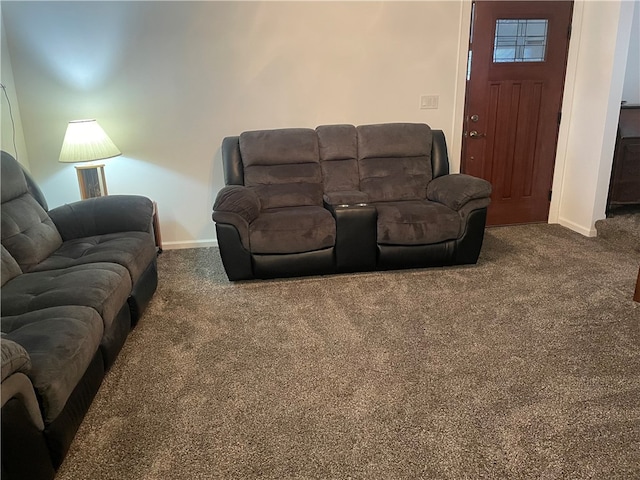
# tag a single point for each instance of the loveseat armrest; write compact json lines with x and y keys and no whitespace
{"x":456,"y":190}
{"x":238,"y":206}
{"x":239,"y":200}
{"x":103,"y":215}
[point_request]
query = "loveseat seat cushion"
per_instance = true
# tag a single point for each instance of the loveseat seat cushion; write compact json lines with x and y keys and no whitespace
{"x":282,"y":166}
{"x":104,"y":287}
{"x":292,"y":230}
{"x":416,"y":223}
{"x":133,"y":250}
{"x":61,"y":342}
{"x":394,"y":161}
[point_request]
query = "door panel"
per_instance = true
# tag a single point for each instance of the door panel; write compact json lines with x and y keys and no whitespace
{"x":514,"y":95}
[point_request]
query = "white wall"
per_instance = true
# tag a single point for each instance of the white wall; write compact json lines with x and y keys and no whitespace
{"x":11,"y":136}
{"x":168,"y":80}
{"x":591,"y":106}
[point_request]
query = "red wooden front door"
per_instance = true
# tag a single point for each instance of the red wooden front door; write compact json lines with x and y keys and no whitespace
{"x":518,"y":53}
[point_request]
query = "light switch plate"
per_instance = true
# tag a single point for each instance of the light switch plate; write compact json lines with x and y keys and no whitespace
{"x":429,"y":101}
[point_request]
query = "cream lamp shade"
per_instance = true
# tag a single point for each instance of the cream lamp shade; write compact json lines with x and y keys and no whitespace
{"x":86,"y":141}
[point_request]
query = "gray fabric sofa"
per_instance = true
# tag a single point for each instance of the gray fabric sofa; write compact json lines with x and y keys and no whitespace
{"x":341,"y":198}
{"x":75,"y":280}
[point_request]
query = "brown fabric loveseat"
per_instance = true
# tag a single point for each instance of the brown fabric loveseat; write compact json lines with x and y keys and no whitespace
{"x":342,"y":198}
{"x":75,"y":279}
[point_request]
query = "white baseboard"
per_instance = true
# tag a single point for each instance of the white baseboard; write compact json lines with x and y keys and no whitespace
{"x":190,"y":244}
{"x":587,"y":232}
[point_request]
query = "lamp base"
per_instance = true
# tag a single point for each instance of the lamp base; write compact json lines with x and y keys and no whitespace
{"x":91,"y":181}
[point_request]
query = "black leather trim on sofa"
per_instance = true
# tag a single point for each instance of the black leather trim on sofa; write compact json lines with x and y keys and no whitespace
{"x":391,"y":257}
{"x":233,"y":170}
{"x":468,"y":246}
{"x":59,"y":434}
{"x":319,"y":262}
{"x":235,"y":258}
{"x":439,"y":155}
{"x":24,"y":449}
{"x":356,"y":248}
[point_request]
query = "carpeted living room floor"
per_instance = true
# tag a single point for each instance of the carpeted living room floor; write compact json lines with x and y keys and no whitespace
{"x":524,"y":366}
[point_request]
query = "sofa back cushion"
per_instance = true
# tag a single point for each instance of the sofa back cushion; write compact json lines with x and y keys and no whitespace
{"x":338,"y":146}
{"x":28,"y":233}
{"x":282,"y":166}
{"x":394,"y":161}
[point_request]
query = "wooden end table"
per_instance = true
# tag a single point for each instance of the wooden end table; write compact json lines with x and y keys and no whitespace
{"x":156,"y":228}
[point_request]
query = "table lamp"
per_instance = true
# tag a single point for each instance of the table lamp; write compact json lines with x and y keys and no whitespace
{"x":86,"y":141}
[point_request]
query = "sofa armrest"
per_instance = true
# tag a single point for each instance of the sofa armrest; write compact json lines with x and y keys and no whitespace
{"x":238,"y":200}
{"x":14,"y":358}
{"x":19,"y":386}
{"x":456,"y":190}
{"x":343,"y":198}
{"x":102,"y":215}
{"x":16,"y":363}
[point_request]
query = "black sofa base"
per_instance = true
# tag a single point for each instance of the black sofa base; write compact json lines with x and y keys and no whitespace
{"x":319,"y":262}
{"x":24,"y":448}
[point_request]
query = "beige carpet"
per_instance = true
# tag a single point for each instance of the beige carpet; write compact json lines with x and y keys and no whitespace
{"x":526,"y":365}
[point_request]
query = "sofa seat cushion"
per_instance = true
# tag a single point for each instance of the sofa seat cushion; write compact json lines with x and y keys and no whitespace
{"x":133,"y":250}
{"x":292,"y":230}
{"x":104,"y":287}
{"x":61,"y":342}
{"x":416,"y":223}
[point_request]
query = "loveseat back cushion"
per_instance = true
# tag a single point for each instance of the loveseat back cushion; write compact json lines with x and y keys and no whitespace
{"x":27,"y":231}
{"x":282,"y":166}
{"x":394,"y":161}
{"x":338,"y":146}
{"x":10,"y":268}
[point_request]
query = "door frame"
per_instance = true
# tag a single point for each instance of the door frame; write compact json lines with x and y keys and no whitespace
{"x":566,"y":138}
